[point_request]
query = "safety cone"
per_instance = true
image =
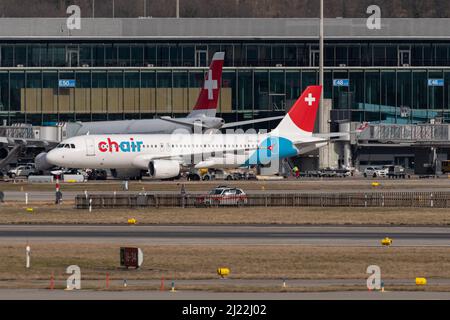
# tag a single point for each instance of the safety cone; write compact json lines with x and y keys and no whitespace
{"x":162,"y":284}
{"x":52,"y":282}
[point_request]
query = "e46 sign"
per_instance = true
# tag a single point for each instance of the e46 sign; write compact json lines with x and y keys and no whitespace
{"x":435,"y":82}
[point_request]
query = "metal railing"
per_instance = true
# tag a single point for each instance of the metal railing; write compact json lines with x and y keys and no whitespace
{"x":17,"y":132}
{"x":369,"y":199}
{"x":411,"y":133}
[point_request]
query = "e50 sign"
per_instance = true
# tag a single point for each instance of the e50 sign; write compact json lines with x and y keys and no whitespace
{"x":66,"y":83}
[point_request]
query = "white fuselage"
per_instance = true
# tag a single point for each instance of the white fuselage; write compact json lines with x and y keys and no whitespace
{"x":136,"y":151}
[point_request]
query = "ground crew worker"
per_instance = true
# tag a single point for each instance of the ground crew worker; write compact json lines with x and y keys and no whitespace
{"x":296,"y":171}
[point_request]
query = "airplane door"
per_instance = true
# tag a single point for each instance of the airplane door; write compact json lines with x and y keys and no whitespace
{"x":168,"y":148}
{"x":90,"y":147}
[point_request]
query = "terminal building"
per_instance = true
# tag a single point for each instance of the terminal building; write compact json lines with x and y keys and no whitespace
{"x":396,"y":78}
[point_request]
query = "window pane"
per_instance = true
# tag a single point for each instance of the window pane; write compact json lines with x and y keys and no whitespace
{"x":404,"y":90}
{"x":7,"y":55}
{"x":98,"y":53}
{"x":388,"y":98}
{"x":180,"y":92}
{"x":164,"y":92}
{"x":124,"y":55}
{"x":131,"y":92}
{"x":261,"y":89}
{"x":436,"y":94}
{"x":137,"y":56}
{"x":115,"y":92}
{"x":4,"y":95}
{"x":20,"y":55}
{"x":356,"y":89}
{"x":341,"y":99}
{"x":34,"y":55}
{"x":50,"y":92}
{"x":148,"y":92}
{"x":85,"y":54}
{"x":245,"y":101}
{"x":17,"y":90}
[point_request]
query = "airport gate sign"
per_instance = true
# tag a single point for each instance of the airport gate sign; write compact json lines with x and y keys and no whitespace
{"x":341,"y":82}
{"x":65,"y":83}
{"x":435,"y":82}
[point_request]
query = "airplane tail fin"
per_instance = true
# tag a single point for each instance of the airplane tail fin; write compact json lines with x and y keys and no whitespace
{"x":209,"y":94}
{"x":301,"y":118}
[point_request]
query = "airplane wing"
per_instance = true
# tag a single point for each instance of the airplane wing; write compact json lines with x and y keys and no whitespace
{"x":331,"y":135}
{"x":243,"y":123}
{"x":185,"y":123}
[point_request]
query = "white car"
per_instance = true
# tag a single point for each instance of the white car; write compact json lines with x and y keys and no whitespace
{"x":22,"y":171}
{"x":224,"y":196}
{"x":375,"y":172}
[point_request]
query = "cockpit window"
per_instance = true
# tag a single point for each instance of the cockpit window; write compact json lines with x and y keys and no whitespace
{"x":72,"y":146}
{"x":60,"y":146}
{"x":67,"y":146}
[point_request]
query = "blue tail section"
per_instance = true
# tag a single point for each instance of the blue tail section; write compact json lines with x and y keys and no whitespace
{"x":272,"y":148}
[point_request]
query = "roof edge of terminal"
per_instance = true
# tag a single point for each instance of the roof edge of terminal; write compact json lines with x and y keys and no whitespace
{"x":221,"y":29}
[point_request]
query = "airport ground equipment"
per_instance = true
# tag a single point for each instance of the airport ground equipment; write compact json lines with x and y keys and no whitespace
{"x":131,"y":257}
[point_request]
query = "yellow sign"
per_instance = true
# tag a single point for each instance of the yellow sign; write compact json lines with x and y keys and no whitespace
{"x":386,"y":241}
{"x":421,"y":281}
{"x":223,"y":272}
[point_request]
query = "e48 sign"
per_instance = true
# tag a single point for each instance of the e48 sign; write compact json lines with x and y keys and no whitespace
{"x":341,"y":82}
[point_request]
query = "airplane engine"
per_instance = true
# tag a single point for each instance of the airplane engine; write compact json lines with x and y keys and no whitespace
{"x":164,"y":169}
{"x":213,"y":122}
{"x":3,"y":153}
{"x":41,"y":162}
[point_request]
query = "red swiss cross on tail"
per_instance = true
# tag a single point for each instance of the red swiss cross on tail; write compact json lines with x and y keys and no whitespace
{"x":301,"y":118}
{"x":209,"y":94}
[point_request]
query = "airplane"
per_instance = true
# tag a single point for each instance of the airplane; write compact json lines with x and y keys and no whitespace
{"x":202,"y":117}
{"x":165,"y":156}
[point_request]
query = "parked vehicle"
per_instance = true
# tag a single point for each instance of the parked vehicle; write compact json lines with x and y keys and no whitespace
{"x":224,"y":196}
{"x":375,"y":172}
{"x":396,"y":172}
{"x":446,"y":166}
{"x":62,"y":172}
{"x":23,"y":171}
{"x":97,"y":174}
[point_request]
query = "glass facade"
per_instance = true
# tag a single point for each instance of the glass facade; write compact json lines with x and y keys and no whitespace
{"x":375,"y":95}
{"x":387,"y":82}
{"x":238,"y":54}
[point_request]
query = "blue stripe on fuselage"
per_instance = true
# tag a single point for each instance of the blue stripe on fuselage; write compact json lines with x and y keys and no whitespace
{"x":281,"y":148}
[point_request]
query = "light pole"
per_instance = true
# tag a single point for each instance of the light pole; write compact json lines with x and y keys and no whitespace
{"x":93,"y":8}
{"x":178,"y":8}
